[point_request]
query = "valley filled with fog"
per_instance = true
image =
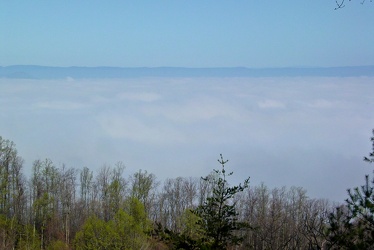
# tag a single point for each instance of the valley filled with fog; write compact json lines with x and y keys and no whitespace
{"x":310,"y":132}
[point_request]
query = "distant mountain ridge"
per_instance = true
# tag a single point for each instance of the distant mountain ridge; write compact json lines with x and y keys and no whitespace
{"x":45,"y":72}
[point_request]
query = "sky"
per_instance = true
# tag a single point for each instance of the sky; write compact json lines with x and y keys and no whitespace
{"x":175,"y":33}
{"x":303,"y":131}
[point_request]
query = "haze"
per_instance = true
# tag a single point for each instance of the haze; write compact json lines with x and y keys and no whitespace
{"x":308,"y":131}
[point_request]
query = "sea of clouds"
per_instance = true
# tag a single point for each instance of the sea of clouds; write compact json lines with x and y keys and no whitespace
{"x":284,"y":131}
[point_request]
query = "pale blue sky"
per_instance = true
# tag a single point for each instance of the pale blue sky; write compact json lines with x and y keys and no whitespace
{"x":186,"y":33}
{"x":302,"y":131}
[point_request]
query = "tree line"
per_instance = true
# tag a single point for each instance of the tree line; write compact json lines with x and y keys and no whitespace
{"x":59,"y":207}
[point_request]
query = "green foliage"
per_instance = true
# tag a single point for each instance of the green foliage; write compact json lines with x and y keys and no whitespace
{"x":16,"y":236}
{"x":218,"y":213}
{"x":142,"y":183}
{"x":340,"y":232}
{"x":192,"y":235}
{"x":124,"y":231}
{"x":361,"y":206}
{"x":95,"y":234}
{"x":7,"y":233}
{"x":43,"y":209}
{"x":45,"y":212}
{"x":57,"y":245}
{"x":143,"y":188}
{"x":136,"y":210}
{"x":354,"y":229}
{"x":184,"y":240}
{"x":29,"y":239}
{"x":191,"y":226}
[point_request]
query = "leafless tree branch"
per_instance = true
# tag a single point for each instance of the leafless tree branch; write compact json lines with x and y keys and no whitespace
{"x":340,"y":3}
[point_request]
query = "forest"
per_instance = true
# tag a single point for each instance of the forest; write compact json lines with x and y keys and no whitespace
{"x":58,"y":207}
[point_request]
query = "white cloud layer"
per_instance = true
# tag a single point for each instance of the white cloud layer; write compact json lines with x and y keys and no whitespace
{"x":131,"y":128}
{"x":309,"y":132}
{"x":271,"y":104}
{"x":142,"y":97}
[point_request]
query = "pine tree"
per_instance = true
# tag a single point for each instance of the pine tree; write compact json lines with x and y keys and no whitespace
{"x":361,"y":205}
{"x":219,"y":217}
{"x":356,"y":228}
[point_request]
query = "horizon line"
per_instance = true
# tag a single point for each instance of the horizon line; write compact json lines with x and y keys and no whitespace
{"x":188,"y":67}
